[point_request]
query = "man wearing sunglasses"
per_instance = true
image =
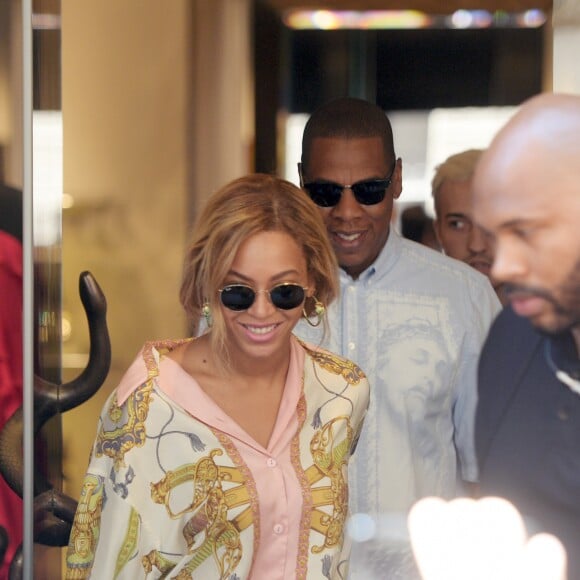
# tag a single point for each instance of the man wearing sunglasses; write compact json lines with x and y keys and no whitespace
{"x":412,"y":318}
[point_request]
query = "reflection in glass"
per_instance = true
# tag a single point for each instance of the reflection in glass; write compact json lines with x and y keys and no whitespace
{"x":10,"y":265}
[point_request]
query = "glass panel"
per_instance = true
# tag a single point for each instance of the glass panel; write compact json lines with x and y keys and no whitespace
{"x":47,"y":204}
{"x":11,"y":164}
{"x":30,"y":123}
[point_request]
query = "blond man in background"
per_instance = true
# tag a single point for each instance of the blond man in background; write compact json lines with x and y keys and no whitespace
{"x":455,"y":226}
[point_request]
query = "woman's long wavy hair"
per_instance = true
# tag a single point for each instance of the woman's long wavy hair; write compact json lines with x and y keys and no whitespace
{"x":247,"y":206}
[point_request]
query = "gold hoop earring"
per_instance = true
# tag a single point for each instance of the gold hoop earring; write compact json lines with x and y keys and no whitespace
{"x":319,"y":310}
{"x":206,"y":312}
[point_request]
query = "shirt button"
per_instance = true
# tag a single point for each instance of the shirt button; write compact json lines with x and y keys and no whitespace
{"x":270,"y":462}
{"x":351,"y":289}
{"x":278,"y":529}
{"x":563,"y":414}
{"x":351,"y":345}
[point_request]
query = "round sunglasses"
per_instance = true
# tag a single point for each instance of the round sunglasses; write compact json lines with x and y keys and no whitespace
{"x":240,"y":297}
{"x":366,"y":192}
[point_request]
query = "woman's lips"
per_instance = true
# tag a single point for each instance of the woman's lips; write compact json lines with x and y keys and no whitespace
{"x":260,"y":332}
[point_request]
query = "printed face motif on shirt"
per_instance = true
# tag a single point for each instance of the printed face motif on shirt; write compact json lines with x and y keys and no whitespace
{"x":357,"y":232}
{"x":419,"y":400}
{"x":415,"y":353}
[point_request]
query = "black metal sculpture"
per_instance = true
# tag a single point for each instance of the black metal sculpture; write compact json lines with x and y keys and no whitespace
{"x":54,"y":511}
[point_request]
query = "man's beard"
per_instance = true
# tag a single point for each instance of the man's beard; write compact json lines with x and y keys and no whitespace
{"x":565,"y":301}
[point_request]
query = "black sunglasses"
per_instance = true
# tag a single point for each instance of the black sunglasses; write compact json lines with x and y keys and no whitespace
{"x":367,"y":192}
{"x":240,"y":297}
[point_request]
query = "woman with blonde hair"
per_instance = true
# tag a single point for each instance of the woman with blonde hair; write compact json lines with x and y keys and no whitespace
{"x":225,"y":456}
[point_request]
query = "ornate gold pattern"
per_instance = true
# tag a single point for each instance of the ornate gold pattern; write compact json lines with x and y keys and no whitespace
{"x":210,"y":505}
{"x":219,"y":502}
{"x":155,"y":559}
{"x":118,"y":441}
{"x":349,"y":371}
{"x":85,"y":531}
{"x":252,"y":513}
{"x":325,"y":507}
{"x":331,"y":456}
{"x":305,"y":518}
{"x":129,"y":546}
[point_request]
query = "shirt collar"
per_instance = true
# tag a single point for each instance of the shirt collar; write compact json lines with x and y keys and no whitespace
{"x":145,"y":366}
{"x":562,"y":349}
{"x":184,"y":390}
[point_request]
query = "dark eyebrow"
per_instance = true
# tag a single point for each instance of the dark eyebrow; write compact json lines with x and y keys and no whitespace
{"x":279,"y":276}
{"x":329,"y":181}
{"x":322,"y":180}
{"x":456,"y":214}
{"x":238,"y":275}
{"x":371,"y":178}
{"x":516,"y":222}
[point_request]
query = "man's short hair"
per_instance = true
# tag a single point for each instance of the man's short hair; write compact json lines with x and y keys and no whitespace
{"x":347,"y":118}
{"x":458,"y":167}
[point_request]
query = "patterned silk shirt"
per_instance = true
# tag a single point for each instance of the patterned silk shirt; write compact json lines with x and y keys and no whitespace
{"x":415,"y":321}
{"x":176,"y":489}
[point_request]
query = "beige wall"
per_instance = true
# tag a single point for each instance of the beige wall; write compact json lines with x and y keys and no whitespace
{"x":157,"y":112}
{"x":11,"y":145}
{"x":125,"y":93}
{"x":566,"y":44}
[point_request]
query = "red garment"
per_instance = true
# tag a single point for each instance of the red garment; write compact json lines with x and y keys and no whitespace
{"x":10,"y":376}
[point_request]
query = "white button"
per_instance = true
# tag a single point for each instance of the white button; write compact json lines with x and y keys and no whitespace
{"x":278,"y":528}
{"x":351,"y":345}
{"x":351,"y":289}
{"x":270,"y":462}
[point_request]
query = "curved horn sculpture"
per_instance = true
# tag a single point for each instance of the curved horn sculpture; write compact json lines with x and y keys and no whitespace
{"x":54,"y":511}
{"x":50,"y":399}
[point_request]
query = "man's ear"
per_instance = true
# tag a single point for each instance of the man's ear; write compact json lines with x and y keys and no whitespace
{"x":398,"y":179}
{"x":436,"y":222}
{"x":300,"y":175}
{"x":436,"y":226}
